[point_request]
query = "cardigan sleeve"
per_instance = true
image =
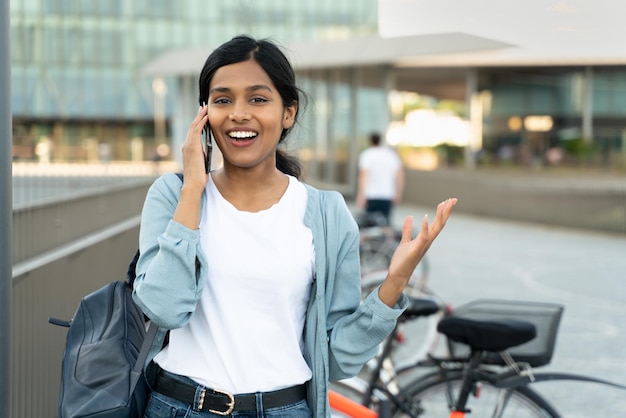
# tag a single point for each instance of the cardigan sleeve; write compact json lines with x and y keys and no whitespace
{"x":354,"y":328}
{"x":171,"y":263}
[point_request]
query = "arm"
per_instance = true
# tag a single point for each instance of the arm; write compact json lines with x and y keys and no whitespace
{"x":171,"y":264}
{"x":354,"y":329}
{"x":168,"y":282}
{"x":354,"y":337}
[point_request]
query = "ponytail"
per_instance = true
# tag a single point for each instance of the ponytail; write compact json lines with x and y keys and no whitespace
{"x":288,"y":164}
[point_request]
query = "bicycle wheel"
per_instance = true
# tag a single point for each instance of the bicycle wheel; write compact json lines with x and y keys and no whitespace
{"x":429,"y":399}
{"x":376,"y":253}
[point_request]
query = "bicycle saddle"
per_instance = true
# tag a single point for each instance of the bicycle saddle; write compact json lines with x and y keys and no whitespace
{"x":487,"y":335}
{"x":419,"y":307}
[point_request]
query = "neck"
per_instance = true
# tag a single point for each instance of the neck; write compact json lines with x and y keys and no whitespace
{"x":250,"y":190}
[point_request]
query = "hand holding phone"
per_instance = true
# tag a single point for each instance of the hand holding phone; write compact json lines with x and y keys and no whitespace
{"x":207,"y":145}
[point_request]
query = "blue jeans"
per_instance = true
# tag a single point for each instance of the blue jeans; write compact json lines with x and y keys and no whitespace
{"x":161,"y":406}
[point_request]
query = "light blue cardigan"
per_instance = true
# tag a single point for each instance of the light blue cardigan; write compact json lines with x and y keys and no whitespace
{"x":341,"y":333}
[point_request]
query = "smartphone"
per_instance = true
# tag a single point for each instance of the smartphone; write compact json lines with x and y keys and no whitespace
{"x":207,"y":145}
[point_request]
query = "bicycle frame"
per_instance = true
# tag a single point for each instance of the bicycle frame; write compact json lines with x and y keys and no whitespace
{"x":348,"y":407}
{"x":524,"y":379}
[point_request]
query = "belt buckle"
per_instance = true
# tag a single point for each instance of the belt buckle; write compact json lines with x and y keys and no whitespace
{"x":230,"y":403}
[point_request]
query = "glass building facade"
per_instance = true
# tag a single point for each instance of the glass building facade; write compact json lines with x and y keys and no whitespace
{"x":77,"y":84}
{"x":578,"y":113}
{"x":348,"y":104}
{"x":76,"y":64}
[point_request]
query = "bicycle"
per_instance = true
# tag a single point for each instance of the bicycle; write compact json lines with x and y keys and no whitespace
{"x":489,"y":377}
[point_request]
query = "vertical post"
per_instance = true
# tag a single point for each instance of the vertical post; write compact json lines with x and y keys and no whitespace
{"x":353,"y":145}
{"x":587,"y":109}
{"x":475,"y":118}
{"x":331,"y":141}
{"x":389,"y":84}
{"x":6,"y":209}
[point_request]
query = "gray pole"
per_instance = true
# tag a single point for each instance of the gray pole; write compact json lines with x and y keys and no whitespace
{"x":471,"y":88}
{"x":587,"y":110}
{"x":6,"y":209}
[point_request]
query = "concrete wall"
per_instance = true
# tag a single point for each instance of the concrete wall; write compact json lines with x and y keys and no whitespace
{"x":63,"y":250}
{"x":54,"y":290}
{"x":596,"y":202}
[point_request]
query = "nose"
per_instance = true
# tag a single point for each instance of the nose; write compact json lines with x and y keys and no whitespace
{"x":239,"y":114}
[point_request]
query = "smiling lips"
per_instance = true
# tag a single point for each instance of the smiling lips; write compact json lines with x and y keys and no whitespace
{"x":242,"y":135}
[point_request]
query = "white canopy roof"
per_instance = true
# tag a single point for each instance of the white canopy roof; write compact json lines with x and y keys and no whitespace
{"x":372,"y":50}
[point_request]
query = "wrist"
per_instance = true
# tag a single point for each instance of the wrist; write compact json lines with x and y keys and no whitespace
{"x":187,"y":211}
{"x":389,"y":291}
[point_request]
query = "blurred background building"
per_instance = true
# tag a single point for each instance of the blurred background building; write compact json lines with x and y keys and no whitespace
{"x":116,"y":80}
{"x":555,"y":95}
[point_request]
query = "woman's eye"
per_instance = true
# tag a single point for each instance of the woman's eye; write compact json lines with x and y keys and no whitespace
{"x":222,"y":100}
{"x":258,"y":100}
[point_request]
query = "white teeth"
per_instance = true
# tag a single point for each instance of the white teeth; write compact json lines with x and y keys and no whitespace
{"x":242,"y":134}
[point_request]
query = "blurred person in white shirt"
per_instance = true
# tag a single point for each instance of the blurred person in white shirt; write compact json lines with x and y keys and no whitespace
{"x":381,"y":179}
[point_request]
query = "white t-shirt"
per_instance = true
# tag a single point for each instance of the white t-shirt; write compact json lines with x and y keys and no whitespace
{"x":382,"y":165}
{"x":247,"y":332}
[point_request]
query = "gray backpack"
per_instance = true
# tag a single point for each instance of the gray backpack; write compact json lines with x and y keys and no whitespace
{"x":102,"y":369}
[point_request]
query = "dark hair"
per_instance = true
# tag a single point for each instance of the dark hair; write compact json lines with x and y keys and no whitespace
{"x":375,"y":138}
{"x":275,"y":64}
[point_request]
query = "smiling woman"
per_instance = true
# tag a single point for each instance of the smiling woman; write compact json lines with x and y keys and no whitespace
{"x":247,"y":116}
{"x":253,"y":273}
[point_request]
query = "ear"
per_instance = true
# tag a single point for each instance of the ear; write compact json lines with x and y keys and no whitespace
{"x":289,"y":115}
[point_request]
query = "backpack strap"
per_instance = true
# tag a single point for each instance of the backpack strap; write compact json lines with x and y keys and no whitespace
{"x":142,"y":356}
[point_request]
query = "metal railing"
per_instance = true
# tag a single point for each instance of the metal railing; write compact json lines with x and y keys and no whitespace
{"x":75,"y":228}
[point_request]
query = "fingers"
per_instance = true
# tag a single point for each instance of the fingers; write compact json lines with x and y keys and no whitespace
{"x":446,"y":205}
{"x":407,"y":229}
{"x":425,"y":225}
{"x":444,"y":209}
{"x":449,"y":204}
{"x":195,"y":129}
{"x":200,"y":120}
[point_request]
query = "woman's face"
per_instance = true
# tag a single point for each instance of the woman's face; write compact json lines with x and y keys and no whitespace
{"x":246,"y":115}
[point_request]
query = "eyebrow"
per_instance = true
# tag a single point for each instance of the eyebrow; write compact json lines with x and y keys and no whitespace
{"x":250,"y":88}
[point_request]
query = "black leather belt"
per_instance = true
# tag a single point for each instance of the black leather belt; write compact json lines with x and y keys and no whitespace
{"x":224,"y":403}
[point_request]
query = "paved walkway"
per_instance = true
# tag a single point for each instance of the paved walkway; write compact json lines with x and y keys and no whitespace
{"x":585,"y":271}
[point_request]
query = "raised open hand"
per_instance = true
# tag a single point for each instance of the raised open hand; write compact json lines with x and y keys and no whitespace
{"x":410,"y":252}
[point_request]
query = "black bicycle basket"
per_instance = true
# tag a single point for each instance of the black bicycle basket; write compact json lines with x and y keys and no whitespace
{"x":545,"y":316}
